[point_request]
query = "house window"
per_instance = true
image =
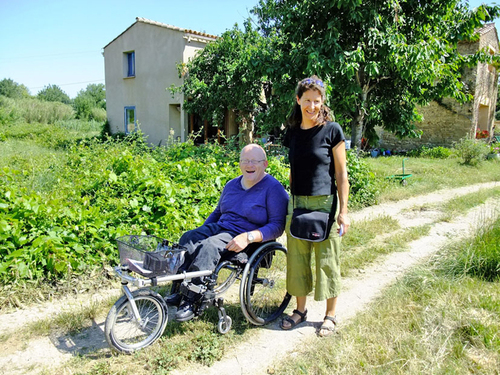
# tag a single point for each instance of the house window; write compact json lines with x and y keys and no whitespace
{"x":130,"y":120}
{"x":129,"y":64}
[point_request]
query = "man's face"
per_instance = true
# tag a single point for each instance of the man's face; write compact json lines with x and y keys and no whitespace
{"x":253,"y":164}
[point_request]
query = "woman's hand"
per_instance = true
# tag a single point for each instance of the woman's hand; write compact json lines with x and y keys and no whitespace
{"x":344,"y":224}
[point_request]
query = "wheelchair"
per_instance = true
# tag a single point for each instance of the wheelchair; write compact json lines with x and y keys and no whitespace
{"x":139,"y":317}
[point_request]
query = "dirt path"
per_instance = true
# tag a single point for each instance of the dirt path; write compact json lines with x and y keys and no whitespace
{"x":270,"y":343}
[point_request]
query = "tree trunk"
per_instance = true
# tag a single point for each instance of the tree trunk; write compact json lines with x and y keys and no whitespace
{"x":246,"y":128}
{"x":358,"y":124}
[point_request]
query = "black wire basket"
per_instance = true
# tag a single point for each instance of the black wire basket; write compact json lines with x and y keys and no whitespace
{"x":134,"y":249}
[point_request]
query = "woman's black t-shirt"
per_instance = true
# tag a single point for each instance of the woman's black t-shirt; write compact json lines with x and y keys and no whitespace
{"x":311,"y":160}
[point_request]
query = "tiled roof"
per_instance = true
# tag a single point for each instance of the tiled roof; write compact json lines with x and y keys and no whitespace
{"x":487,"y":27}
{"x":145,"y":20}
{"x":200,"y":35}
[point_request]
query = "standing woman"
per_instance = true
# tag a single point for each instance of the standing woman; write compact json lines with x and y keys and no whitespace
{"x":318,"y":180}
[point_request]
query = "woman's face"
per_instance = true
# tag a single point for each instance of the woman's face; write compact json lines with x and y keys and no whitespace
{"x":310,"y":105}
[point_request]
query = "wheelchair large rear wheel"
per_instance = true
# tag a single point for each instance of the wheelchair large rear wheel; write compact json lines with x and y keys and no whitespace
{"x":264,"y":288}
{"x":122,"y":330}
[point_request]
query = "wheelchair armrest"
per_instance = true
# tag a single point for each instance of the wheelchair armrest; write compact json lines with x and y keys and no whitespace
{"x":243,"y":256}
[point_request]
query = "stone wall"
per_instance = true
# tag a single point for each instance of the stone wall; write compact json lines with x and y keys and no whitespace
{"x":443,"y":124}
{"x":448,"y":121}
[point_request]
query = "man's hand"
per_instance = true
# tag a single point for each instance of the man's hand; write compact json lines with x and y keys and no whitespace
{"x":238,"y":243}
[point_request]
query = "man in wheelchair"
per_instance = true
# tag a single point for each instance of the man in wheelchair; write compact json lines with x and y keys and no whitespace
{"x":252,"y":208}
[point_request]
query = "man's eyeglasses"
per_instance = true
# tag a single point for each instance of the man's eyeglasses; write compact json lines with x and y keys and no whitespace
{"x":309,"y":81}
{"x":254,"y":162}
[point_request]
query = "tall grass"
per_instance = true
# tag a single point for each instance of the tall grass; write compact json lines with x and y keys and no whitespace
{"x":36,"y":111}
{"x":479,"y":257}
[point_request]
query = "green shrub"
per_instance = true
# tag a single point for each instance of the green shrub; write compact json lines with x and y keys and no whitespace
{"x":83,"y":106}
{"x":437,"y":152}
{"x":471,"y":151}
{"x":363,"y":191}
{"x":84,"y":127}
{"x":98,"y":114}
{"x":103,"y":190}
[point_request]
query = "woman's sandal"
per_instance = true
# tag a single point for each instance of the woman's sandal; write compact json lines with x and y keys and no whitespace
{"x":327,"y":329}
{"x":293,"y":323}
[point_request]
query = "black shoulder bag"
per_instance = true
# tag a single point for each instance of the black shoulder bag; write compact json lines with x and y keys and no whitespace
{"x":313,"y":226}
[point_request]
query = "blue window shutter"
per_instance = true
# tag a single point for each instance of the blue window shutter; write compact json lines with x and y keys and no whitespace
{"x":131,"y":64}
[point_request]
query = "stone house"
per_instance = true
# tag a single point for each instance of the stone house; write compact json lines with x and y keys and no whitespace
{"x":140,"y":66}
{"x":447,"y":121}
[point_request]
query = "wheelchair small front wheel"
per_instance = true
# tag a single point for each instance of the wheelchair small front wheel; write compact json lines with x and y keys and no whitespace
{"x":224,"y":325}
{"x":125,"y":333}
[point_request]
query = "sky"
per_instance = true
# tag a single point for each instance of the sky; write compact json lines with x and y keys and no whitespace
{"x":60,"y":42}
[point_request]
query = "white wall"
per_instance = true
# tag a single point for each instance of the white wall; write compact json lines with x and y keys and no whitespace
{"x":158,"y":50}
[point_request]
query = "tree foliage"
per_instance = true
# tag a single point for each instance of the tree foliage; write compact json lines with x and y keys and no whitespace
{"x":12,"y":89}
{"x":380,"y":58}
{"x":53,"y":93}
{"x":230,"y":74}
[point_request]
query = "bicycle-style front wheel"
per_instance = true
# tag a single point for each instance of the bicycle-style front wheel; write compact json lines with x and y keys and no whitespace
{"x":127,"y":334}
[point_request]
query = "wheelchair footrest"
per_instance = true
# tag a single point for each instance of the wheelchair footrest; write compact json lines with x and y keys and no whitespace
{"x":192,"y":292}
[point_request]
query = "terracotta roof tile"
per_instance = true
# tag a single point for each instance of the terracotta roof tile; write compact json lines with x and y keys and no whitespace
{"x":189,"y":31}
{"x":207,"y":37}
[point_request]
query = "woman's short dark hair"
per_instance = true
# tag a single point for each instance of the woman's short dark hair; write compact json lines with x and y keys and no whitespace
{"x":310,"y":83}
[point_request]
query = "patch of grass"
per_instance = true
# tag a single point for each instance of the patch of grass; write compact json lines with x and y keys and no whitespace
{"x":399,"y":241}
{"x":479,"y":257}
{"x":428,"y":323}
{"x":428,"y":175}
{"x":462,"y":204}
{"x":362,"y":232}
{"x":195,"y":341}
{"x":360,"y":257}
{"x":70,"y":322}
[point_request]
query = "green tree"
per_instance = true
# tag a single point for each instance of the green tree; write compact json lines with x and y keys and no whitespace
{"x":13,"y":90}
{"x":380,"y":58}
{"x":53,"y":93}
{"x":98,"y":94}
{"x":86,"y":101}
{"x":230,"y":74}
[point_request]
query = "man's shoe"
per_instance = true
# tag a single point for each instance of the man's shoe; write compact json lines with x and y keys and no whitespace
{"x":173,"y":299}
{"x":185,"y":312}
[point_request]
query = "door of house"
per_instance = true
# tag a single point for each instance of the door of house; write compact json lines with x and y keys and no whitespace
{"x":174,"y":121}
{"x":483,"y":118}
{"x":201,"y":129}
